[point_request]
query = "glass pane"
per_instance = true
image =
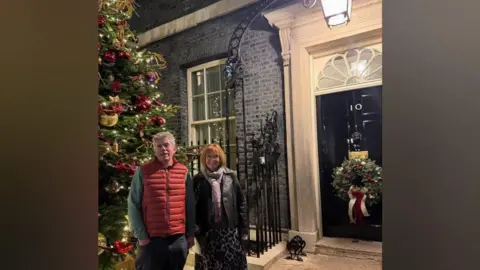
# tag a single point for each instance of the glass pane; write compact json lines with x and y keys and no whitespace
{"x":327,"y":83}
{"x":201,"y":132}
{"x":340,"y":65}
{"x":354,"y":80}
{"x":352,"y":56}
{"x":359,"y":68}
{"x":217,"y":133}
{"x":231,"y":103}
{"x":222,"y":78}
{"x":198,"y":108}
{"x":197,"y":83}
{"x":331,"y":71}
{"x":213,"y":79}
{"x":375,"y":75}
{"x":374,"y":66}
{"x":214,"y":106}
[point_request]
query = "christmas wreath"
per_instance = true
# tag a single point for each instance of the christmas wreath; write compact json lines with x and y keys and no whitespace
{"x":358,"y":181}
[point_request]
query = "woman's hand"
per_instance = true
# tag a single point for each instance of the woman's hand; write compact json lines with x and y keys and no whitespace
{"x":245,"y":242}
{"x":143,"y":242}
{"x":190,"y":241}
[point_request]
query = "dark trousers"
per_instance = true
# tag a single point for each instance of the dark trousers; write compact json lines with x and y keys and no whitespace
{"x":163,"y":253}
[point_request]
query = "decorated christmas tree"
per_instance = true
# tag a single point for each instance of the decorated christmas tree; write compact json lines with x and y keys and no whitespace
{"x":130,"y":111}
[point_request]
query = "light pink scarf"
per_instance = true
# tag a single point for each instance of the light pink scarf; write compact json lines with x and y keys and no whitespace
{"x":215,"y":180}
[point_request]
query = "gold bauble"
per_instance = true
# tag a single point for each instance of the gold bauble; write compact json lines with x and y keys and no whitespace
{"x":115,"y":146}
{"x":108,"y":120}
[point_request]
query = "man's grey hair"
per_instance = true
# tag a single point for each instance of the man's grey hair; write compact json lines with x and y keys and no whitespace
{"x":165,"y":135}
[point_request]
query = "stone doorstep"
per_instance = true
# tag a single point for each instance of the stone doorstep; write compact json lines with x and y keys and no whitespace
{"x":344,"y":247}
{"x":268,"y":258}
{"x":263,"y":263}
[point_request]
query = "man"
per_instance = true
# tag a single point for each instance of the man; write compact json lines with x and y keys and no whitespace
{"x":161,"y":209}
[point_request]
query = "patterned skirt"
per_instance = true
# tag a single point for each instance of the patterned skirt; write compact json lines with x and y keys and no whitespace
{"x":222,"y":250}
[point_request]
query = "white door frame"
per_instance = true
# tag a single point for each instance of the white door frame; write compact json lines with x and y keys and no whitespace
{"x":305,"y":36}
{"x":348,"y":88}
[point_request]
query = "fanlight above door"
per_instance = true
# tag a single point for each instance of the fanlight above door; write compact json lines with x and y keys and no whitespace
{"x":355,"y":66}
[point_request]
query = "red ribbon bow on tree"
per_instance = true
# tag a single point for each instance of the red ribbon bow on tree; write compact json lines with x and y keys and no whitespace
{"x":123,"y":167}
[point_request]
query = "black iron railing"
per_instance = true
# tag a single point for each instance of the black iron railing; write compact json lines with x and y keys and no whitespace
{"x":257,"y":154}
{"x":257,"y":170}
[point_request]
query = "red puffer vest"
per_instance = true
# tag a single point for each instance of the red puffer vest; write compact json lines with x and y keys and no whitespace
{"x":164,"y":198}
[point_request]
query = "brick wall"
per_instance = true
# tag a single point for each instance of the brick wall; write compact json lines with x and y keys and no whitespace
{"x":153,"y":13}
{"x":263,"y":87}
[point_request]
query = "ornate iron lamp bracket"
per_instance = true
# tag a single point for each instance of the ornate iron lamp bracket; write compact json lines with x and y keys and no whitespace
{"x":234,"y":68}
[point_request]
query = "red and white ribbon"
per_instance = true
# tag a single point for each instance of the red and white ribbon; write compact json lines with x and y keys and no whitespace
{"x":357,"y":208}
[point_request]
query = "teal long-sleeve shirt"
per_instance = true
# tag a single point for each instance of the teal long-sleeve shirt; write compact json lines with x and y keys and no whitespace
{"x":135,"y":215}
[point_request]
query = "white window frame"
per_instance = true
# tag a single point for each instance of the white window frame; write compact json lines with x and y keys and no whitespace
{"x":192,"y":134}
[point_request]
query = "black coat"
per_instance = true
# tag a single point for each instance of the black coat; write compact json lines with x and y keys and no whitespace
{"x":234,"y":204}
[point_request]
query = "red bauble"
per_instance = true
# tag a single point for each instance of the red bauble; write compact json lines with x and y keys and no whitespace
{"x":122,"y":247}
{"x":119,"y":166}
{"x":131,"y":169}
{"x":116,"y":86}
{"x":101,"y":21}
{"x":143,"y":107}
{"x":161,"y":121}
{"x":125,"y":55}
{"x":109,"y":56}
{"x":158,"y":120}
{"x":142,"y":104}
{"x":100,"y":109}
{"x":141,"y":98}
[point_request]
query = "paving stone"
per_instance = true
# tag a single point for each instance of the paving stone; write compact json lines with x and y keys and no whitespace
{"x":319,"y":261}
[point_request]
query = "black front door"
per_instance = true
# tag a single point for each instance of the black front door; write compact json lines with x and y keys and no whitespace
{"x":348,"y":121}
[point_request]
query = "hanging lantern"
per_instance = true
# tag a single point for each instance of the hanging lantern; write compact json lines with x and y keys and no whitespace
{"x":336,"y":12}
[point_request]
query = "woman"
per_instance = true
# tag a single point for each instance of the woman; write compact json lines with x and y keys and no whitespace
{"x":221,"y":214}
